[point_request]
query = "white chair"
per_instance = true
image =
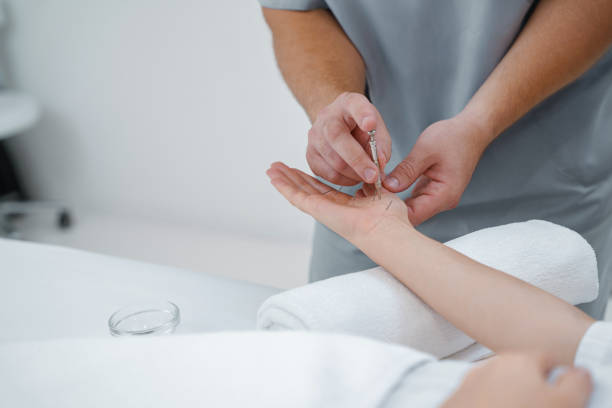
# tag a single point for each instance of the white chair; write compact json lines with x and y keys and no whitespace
{"x":19,"y":112}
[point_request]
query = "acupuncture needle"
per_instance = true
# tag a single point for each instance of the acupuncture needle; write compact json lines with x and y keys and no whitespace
{"x":378,"y":183}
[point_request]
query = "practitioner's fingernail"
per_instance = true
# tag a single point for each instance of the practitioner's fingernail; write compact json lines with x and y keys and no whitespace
{"x":392,"y":182}
{"x":370,"y":175}
{"x":368,"y":122}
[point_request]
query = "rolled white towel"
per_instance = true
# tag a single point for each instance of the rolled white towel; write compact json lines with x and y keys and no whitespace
{"x":374,"y":304}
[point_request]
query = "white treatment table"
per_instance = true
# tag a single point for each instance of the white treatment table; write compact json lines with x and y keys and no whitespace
{"x":49,"y":292}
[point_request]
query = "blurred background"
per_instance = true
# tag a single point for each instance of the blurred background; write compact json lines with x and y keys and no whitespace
{"x":156,"y":122}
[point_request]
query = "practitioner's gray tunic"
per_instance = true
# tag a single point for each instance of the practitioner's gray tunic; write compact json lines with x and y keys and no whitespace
{"x":425,"y":59}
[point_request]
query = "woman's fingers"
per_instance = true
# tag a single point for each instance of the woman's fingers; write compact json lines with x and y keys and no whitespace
{"x":296,"y":178}
{"x":573,"y":388}
{"x":329,"y":192}
{"x":313,"y":204}
{"x":313,"y":182}
{"x":309,"y":183}
{"x":305,"y":192}
{"x":287,"y":188}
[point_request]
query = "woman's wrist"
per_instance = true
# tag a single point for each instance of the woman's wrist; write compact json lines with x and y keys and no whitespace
{"x":388,"y":238}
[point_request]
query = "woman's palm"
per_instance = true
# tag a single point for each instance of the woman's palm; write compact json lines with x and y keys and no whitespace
{"x":351,"y":217}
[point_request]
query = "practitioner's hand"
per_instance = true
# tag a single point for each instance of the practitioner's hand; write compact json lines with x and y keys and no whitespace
{"x":355,"y":218}
{"x":441,"y":163}
{"x":521,"y":380}
{"x":338,"y":148}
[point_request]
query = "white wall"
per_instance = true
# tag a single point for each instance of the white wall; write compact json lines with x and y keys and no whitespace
{"x":162,"y":109}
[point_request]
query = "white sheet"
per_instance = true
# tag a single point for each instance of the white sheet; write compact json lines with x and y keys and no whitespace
{"x":49,"y":292}
{"x":247,"y":369}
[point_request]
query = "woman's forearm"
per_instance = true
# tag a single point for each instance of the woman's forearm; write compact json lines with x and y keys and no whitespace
{"x":561,"y":40}
{"x":496,"y":309}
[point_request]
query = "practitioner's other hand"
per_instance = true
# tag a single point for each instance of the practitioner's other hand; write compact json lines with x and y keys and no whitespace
{"x":355,"y":218}
{"x":440,"y":165}
{"x":521,"y":380}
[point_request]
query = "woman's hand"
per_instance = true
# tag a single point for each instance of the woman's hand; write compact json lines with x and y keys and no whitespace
{"x":521,"y":380}
{"x":358,"y":219}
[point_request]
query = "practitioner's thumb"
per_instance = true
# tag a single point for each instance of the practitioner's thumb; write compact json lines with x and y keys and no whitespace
{"x":573,"y":388}
{"x":407,"y":172}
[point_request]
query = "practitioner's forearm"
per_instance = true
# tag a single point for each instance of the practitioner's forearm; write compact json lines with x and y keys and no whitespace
{"x":561,"y":40}
{"x":496,"y":309}
{"x":315,"y":56}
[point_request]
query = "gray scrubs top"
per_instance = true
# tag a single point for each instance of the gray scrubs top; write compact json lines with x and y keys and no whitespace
{"x":425,"y":59}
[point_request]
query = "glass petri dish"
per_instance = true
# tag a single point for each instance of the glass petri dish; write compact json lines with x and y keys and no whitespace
{"x":153,"y":318}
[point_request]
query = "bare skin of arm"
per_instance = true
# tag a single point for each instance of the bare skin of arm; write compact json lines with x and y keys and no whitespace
{"x":326,"y":74}
{"x":561,"y":40}
{"x":315,"y":56}
{"x":535,"y":332}
{"x":500,"y":311}
{"x":514,"y":317}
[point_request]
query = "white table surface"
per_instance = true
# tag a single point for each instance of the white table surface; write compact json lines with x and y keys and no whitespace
{"x":49,"y":292}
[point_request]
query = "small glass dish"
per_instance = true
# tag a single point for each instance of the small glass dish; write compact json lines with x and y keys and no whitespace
{"x":153,"y":318}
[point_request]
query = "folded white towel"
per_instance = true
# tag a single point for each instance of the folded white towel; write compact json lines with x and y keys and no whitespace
{"x":374,"y":304}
